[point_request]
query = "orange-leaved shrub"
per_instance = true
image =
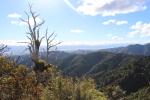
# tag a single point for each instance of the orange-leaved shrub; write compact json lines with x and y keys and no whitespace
{"x":19,"y":82}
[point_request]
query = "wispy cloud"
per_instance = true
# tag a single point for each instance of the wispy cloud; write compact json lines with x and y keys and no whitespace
{"x":121,"y":22}
{"x":17,"y":22}
{"x":14,"y":15}
{"x":15,"y":19}
{"x":140,"y":29}
{"x":100,"y":42}
{"x":116,"y":22}
{"x":117,"y":38}
{"x":108,"y":7}
{"x":76,"y":31}
{"x":70,"y":4}
{"x":76,"y":43}
{"x":13,"y":42}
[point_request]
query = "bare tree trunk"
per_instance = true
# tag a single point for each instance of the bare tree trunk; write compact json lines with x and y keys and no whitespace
{"x":33,"y":34}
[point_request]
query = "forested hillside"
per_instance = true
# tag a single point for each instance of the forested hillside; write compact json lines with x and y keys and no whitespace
{"x":136,"y":49}
{"x":117,"y":75}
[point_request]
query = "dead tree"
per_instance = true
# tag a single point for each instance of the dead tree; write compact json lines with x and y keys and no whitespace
{"x":33,"y":34}
{"x":35,"y":40}
{"x":50,"y":39}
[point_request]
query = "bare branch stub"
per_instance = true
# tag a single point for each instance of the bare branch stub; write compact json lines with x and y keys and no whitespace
{"x":49,"y":43}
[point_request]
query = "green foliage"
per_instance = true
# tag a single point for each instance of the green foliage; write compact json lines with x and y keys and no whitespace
{"x":126,"y":79}
{"x":72,"y":89}
{"x":142,"y":94}
{"x":114,"y":92}
{"x":39,"y":65}
{"x":117,"y":75}
{"x":94,"y":63}
{"x":17,"y":82}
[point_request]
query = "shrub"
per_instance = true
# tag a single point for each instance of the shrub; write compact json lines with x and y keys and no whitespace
{"x":22,"y":83}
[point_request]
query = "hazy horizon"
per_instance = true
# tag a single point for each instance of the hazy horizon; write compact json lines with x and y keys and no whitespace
{"x":22,"y":49}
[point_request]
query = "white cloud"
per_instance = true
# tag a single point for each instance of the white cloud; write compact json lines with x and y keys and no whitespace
{"x":117,"y":38}
{"x":76,"y":42}
{"x":76,"y":31}
{"x":140,"y":29}
{"x":14,"y":22}
{"x":17,"y":21}
{"x":14,"y":15}
{"x":108,"y":22}
{"x":113,"y":21}
{"x":100,"y":42}
{"x":121,"y":22}
{"x":108,"y":7}
{"x":13,"y":42}
{"x":22,"y":42}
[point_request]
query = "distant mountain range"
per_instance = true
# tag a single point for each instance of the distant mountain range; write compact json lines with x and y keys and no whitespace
{"x":136,"y":49}
{"x":21,"y":50}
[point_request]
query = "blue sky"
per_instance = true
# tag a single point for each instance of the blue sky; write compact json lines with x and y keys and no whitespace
{"x":80,"y":22}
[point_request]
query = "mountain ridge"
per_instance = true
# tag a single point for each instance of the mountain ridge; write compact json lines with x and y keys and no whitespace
{"x":135,"y":49}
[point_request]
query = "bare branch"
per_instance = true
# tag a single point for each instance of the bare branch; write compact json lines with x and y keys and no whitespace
{"x":29,"y":38}
{"x":3,"y":49}
{"x":54,"y":45}
{"x":50,"y":36}
{"x":49,"y":43}
{"x":42,"y":39}
{"x":23,"y":20}
{"x":40,"y":24}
